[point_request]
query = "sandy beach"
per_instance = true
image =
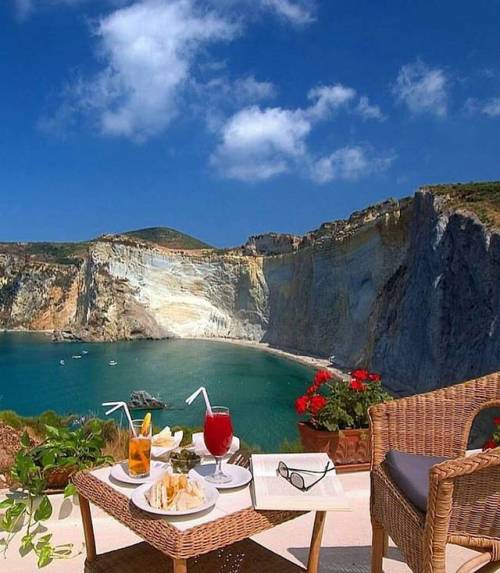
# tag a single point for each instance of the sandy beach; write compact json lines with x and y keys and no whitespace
{"x":296,"y":356}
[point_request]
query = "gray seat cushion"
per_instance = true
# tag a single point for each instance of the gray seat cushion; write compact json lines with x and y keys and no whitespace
{"x":410,"y":473}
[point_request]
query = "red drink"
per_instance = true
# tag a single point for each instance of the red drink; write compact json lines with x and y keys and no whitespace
{"x":218,"y":433}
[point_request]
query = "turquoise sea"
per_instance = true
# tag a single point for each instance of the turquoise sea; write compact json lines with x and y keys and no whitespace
{"x":258,"y":387}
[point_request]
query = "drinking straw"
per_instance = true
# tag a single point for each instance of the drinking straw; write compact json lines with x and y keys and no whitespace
{"x":203,"y":391}
{"x":123,"y":405}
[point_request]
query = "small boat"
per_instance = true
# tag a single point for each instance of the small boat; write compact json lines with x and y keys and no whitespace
{"x":76,"y":357}
{"x":112,"y":362}
{"x":142,"y":400}
{"x":62,"y":363}
{"x":85,"y":352}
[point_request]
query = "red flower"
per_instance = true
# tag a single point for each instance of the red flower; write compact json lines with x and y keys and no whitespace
{"x":316,"y":404}
{"x":489,"y":444}
{"x":374,"y":377}
{"x":496,"y":421}
{"x":301,"y":404}
{"x":357,"y":385}
{"x":312,"y":389}
{"x":360,"y":374}
{"x":321,"y":377}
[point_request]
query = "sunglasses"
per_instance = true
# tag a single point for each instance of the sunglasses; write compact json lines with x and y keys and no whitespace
{"x":297,"y":480}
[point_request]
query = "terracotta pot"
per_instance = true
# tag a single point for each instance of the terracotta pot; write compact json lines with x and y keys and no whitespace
{"x":58,"y":478}
{"x":348,"y":449}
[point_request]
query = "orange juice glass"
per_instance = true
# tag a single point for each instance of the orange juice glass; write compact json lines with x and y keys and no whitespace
{"x":139,"y":451}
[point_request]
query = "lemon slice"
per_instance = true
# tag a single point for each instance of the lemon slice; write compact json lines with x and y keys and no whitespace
{"x":145,"y":424}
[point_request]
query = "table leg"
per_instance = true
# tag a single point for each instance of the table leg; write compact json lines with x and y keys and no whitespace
{"x":180,"y":565}
{"x":88,"y":528}
{"x":314,"y":549}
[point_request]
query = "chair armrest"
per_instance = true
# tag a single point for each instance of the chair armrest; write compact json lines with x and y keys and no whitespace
{"x":464,"y":496}
{"x":467,"y":465}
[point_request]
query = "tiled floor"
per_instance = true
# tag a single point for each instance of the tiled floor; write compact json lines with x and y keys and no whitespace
{"x":346,"y":542}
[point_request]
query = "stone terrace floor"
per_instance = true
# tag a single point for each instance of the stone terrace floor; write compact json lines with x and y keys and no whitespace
{"x":346,"y":542}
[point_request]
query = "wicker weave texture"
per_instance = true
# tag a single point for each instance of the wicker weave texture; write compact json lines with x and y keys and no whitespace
{"x":167,"y":538}
{"x":246,"y":556}
{"x":464,"y":492}
{"x":436,"y":423}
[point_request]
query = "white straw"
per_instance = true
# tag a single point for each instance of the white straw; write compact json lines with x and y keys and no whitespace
{"x":123,"y":405}
{"x":201,"y":390}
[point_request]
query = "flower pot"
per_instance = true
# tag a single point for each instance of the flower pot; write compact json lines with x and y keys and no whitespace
{"x":58,"y":478}
{"x":348,"y":449}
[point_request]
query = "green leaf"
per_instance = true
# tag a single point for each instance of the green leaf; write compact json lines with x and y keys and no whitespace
{"x":70,"y":490}
{"x":52,"y":432}
{"x":44,"y":510}
{"x":48,"y":458}
{"x":6,"y":503}
{"x":25,"y":440}
{"x":26,"y":544}
{"x":44,"y":556}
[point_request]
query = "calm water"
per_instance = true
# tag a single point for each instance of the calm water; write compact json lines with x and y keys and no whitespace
{"x":259,"y":387}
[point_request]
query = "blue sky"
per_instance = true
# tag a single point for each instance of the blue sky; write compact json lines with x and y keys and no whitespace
{"x":233,"y":117}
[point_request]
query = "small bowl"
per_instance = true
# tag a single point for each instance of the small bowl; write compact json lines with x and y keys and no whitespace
{"x":184,"y":461}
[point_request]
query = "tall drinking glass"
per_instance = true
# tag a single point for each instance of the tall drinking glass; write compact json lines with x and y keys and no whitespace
{"x":218,"y":435}
{"x":139,"y":450}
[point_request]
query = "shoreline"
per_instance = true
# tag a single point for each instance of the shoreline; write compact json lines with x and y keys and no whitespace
{"x":288,"y":354}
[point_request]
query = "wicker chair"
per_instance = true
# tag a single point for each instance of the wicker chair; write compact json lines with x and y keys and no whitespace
{"x":464,"y":493}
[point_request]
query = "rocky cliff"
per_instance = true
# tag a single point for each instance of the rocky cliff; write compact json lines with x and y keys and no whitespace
{"x":410,"y":288}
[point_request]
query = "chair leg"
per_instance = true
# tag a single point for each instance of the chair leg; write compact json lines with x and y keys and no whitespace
{"x":379,"y":537}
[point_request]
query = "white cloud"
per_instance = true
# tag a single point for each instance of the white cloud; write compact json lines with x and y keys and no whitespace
{"x":348,"y":163}
{"x":327,"y":99}
{"x":489,"y":107}
{"x":259,"y":144}
{"x":298,"y":12}
{"x":492,"y":107}
{"x":148,"y":50}
{"x":250,"y":89}
{"x":24,"y":8}
{"x":422,"y":89}
{"x":367,"y":110}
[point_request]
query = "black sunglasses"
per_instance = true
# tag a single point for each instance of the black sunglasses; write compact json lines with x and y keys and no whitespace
{"x":297,"y":480}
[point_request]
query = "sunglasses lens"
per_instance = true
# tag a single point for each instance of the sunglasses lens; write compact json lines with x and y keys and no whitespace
{"x":283,"y":470}
{"x":297,"y":480}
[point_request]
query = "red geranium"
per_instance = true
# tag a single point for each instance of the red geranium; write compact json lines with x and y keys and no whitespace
{"x":321,"y":377}
{"x":316,"y":404}
{"x":357,"y":385}
{"x":360,"y":374}
{"x":497,"y":421}
{"x":489,"y":444}
{"x":333,"y":404}
{"x":301,"y":404}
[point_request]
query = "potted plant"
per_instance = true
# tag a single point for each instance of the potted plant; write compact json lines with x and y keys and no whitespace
{"x":337,"y":416}
{"x":48,"y":465}
{"x":494,"y":440}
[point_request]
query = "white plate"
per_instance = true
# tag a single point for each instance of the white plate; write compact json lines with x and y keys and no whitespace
{"x":120,"y":473}
{"x":201,"y":449}
{"x":240,"y":476}
{"x":211,"y":495}
{"x":158,"y":451}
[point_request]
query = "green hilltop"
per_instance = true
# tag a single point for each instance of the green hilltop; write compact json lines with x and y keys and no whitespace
{"x":166,"y":237}
{"x":482,"y":198}
{"x":73,"y":253}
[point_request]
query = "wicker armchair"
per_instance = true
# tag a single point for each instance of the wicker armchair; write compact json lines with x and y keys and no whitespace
{"x":464,"y":493}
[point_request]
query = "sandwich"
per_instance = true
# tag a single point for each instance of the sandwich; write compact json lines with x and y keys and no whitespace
{"x":175,"y":492}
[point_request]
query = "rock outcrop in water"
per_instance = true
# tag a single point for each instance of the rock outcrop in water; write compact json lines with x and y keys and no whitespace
{"x":410,"y":288}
